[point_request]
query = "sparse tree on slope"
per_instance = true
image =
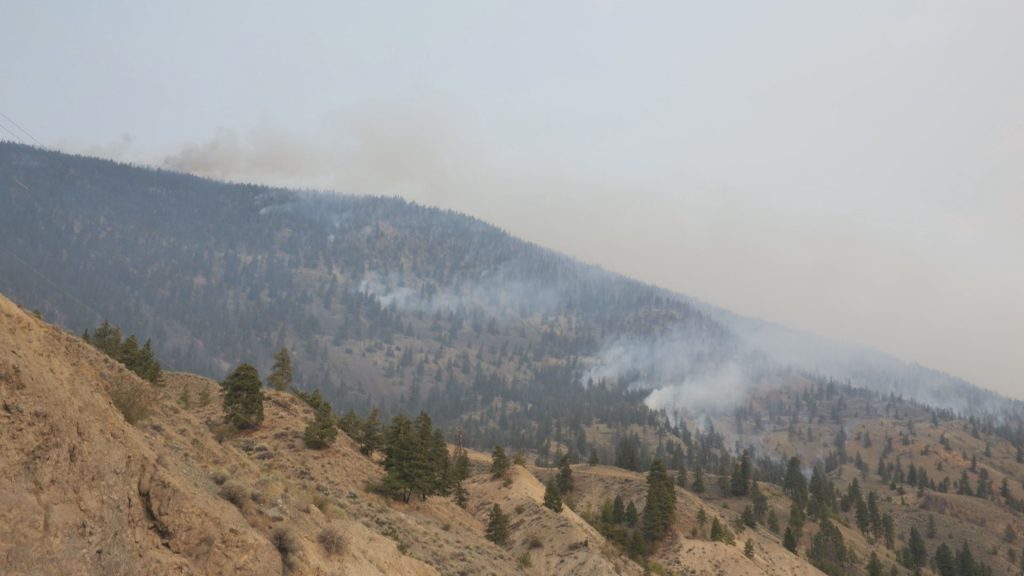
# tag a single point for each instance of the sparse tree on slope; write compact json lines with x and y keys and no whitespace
{"x":243,"y":399}
{"x":497,"y":526}
{"x":499,"y":462}
{"x":660,"y":508}
{"x":281,"y":374}
{"x":552,"y":499}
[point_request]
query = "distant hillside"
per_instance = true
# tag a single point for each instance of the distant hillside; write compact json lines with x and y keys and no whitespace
{"x":383,"y":302}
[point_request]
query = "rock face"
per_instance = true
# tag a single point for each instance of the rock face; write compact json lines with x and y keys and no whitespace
{"x":84,"y":492}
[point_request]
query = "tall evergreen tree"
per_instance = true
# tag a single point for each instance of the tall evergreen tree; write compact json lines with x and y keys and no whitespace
{"x":243,"y":399}
{"x":371,"y":437}
{"x":564,"y":477}
{"x":945,"y":562}
{"x":660,"y":507}
{"x":497,"y":526}
{"x":281,"y":374}
{"x":499,"y":462}
{"x":828,"y":551}
{"x":552,"y":499}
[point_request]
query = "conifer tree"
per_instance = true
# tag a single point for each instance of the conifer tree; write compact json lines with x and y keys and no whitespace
{"x":243,"y":399}
{"x":875,"y":568}
{"x":795,"y":485}
{"x":552,"y":499}
{"x":618,"y":511}
{"x":564,"y":478}
{"x":828,"y":551}
{"x":660,"y":507}
{"x":593,"y":460}
{"x":351,"y":424}
{"x":370,"y":437}
{"x":499,"y":462}
{"x":147,"y":365}
{"x":497,"y":526}
{"x":321,"y":432}
{"x":281,"y":374}
{"x":789,"y":540}
{"x":945,"y":563}
{"x":631,"y":513}
{"x":717,"y":530}
{"x":460,"y":495}
{"x":698,"y":481}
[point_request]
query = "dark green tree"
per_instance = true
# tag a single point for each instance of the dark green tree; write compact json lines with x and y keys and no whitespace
{"x":552,"y":499}
{"x":875,"y":567}
{"x":243,"y":399}
{"x":564,"y":478}
{"x":371,"y":437}
{"x":281,"y":374}
{"x":322,"y":431}
{"x":789,"y":540}
{"x":618,"y":511}
{"x":828,"y":551}
{"x":497,"y":526}
{"x":945,"y":562}
{"x":660,"y":507}
{"x":499,"y":463}
{"x":795,"y":485}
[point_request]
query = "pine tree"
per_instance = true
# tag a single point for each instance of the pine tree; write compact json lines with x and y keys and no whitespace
{"x":773,"y":521}
{"x":945,"y":563}
{"x":875,"y":567}
{"x":741,"y":477}
{"x":593,"y":460}
{"x":351,"y":424}
{"x":916,"y":555}
{"x":660,"y":507}
{"x":789,"y":540}
{"x":281,"y":374}
{"x":631,"y":514}
{"x":748,"y":548}
{"x":499,"y":463}
{"x":149,"y":366}
{"x":828,"y":551}
{"x":552,"y":499}
{"x":460,"y":494}
{"x":243,"y":399}
{"x":795,"y":485}
{"x":618,"y":511}
{"x":370,"y":437}
{"x":698,"y":481}
{"x":497,"y":526}
{"x":320,"y":433}
{"x":717,"y":530}
{"x":564,"y":477}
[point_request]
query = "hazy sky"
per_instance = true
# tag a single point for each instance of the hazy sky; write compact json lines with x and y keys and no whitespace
{"x":854,"y":169}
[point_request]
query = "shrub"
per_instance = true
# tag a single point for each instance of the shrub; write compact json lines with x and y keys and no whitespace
{"x":332,"y":540}
{"x":524,"y":560}
{"x":234,"y":493}
{"x":287,"y":545}
{"x":219,"y":477}
{"x":133,"y":398}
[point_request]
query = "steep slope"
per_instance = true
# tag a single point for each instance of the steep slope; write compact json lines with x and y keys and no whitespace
{"x":82,"y":491}
{"x":85,"y":492}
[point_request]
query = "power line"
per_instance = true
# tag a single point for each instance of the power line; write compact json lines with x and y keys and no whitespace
{"x":16,"y":137}
{"x":26,"y":132}
{"x":32,"y":269}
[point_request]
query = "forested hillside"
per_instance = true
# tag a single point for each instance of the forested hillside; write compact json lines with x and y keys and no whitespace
{"x":384,"y":303}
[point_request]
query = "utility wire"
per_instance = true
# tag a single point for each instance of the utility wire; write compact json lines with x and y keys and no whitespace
{"x":26,"y":132}
{"x":16,"y":137}
{"x":46,"y":278}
